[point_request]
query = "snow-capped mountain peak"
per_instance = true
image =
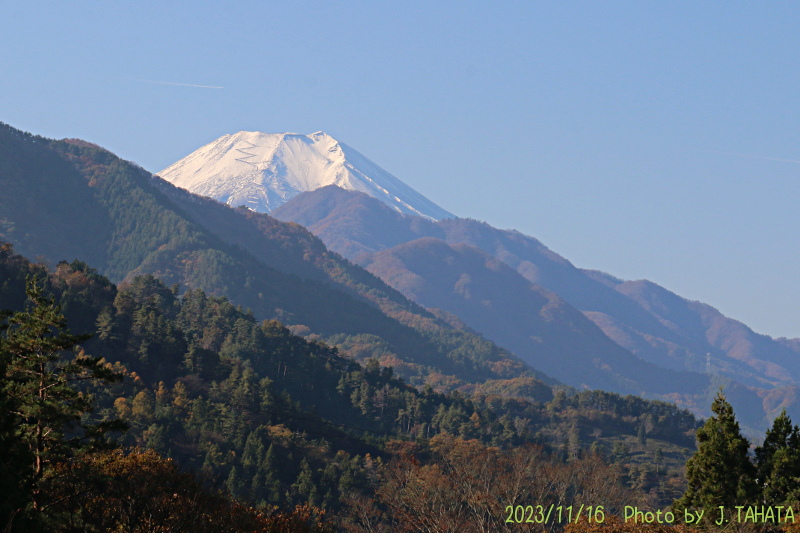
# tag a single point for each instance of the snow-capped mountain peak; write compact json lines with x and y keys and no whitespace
{"x":264,"y":170}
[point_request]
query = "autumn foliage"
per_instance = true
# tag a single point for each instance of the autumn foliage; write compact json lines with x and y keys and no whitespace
{"x":466,"y":486}
{"x":143,"y":492}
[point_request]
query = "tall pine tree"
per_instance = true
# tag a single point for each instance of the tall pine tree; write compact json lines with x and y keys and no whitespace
{"x":15,"y":458}
{"x":778,"y":462}
{"x":719,"y":472}
{"x":43,"y":364}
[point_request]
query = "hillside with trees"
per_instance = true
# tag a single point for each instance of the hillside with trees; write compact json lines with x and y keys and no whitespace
{"x":130,"y":223}
{"x":275,"y":421}
{"x":642,"y":318}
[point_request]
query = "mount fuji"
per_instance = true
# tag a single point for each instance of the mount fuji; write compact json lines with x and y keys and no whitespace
{"x":264,"y":170}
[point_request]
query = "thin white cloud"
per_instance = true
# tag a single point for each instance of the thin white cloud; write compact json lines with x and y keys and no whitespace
{"x":749,"y":156}
{"x":181,"y":84}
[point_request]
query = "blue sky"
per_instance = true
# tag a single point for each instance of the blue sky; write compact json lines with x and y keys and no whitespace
{"x":648,"y":140}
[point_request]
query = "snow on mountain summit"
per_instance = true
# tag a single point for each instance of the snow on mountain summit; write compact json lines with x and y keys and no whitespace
{"x":264,"y":170}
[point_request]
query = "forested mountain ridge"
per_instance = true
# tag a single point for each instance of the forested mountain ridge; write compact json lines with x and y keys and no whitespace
{"x":70,"y":197}
{"x":276,"y":419}
{"x":657,"y":326}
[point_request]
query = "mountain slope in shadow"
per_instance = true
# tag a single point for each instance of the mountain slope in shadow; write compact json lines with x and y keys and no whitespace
{"x":535,"y":323}
{"x":643,"y":318}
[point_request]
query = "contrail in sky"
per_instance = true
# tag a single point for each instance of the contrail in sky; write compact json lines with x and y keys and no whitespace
{"x":181,"y":84}
{"x":780,"y":160}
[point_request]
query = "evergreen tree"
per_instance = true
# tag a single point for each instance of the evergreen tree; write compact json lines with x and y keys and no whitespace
{"x":778,"y":461}
{"x":620,"y":452}
{"x":719,"y":472}
{"x":658,"y":459}
{"x":13,"y":473}
{"x":42,"y":367}
{"x":305,"y":486}
{"x":271,"y":483}
{"x":233,"y":484}
{"x":253,"y":452}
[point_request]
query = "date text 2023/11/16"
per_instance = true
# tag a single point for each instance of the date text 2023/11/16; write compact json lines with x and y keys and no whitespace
{"x":559,"y":514}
